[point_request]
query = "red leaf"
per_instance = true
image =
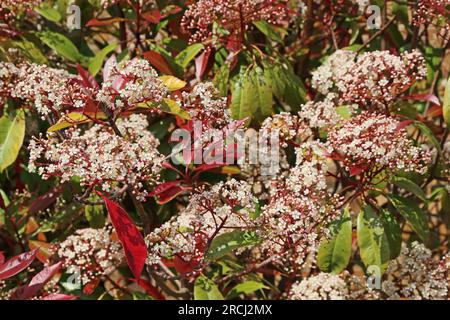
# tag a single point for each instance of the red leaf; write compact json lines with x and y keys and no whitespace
{"x":434,"y":111}
{"x":201,"y":62}
{"x":355,"y":170}
{"x":426,"y":97}
{"x":164,"y":187}
{"x":59,"y":296}
{"x":16,"y":264}
{"x":158,"y":61}
{"x":404,"y":124}
{"x":95,"y":22}
{"x":182,"y":266}
{"x":89,"y":288}
{"x":44,"y":201}
{"x":2,"y":258}
{"x":88,"y":80}
{"x":39,"y":281}
{"x":153,"y":16}
{"x":132,"y":241}
{"x":150,"y":289}
{"x":171,"y":194}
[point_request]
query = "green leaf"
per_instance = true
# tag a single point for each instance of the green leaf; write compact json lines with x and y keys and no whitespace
{"x":252,"y":97}
{"x":246,"y":288}
{"x":344,"y":112}
{"x":409,"y":186}
{"x":30,"y":50}
{"x":241,"y":101}
{"x":446,"y":103}
{"x":334,"y":254}
{"x":413,"y":214}
{"x":221,"y":79}
{"x":49,"y":13}
{"x":268,"y":30}
{"x":186,"y":56}
{"x":262,"y":94}
{"x":11,"y":138}
{"x":96,"y":63}
{"x":95,"y":216}
{"x":393,"y":233}
{"x":206,"y":289}
{"x":429,"y":134}
{"x":62,"y":45}
{"x":372,"y":240}
{"x":227,"y":242}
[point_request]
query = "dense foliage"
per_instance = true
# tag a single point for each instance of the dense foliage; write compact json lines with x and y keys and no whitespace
{"x":224,"y":149}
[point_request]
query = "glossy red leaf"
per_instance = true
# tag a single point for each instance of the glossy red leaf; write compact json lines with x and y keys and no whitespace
{"x":150,"y":289}
{"x":153,"y":16}
{"x":90,"y":287}
{"x":45,"y":201}
{"x":404,"y":124}
{"x":132,"y":241}
{"x":201,"y":63}
{"x":88,"y":80}
{"x":59,"y":296}
{"x":39,"y":281}
{"x":355,"y":170}
{"x":16,"y":264}
{"x":158,"y":61}
{"x":164,"y":187}
{"x":426,"y":97}
{"x":171,"y":194}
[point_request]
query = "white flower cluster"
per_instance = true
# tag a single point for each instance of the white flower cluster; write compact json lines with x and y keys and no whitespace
{"x":100,"y":157}
{"x":324,"y":286}
{"x":321,"y":114}
{"x":129,"y":83}
{"x":204,"y":104}
{"x":223,"y":208}
{"x":50,"y":89}
{"x":328,"y":286}
{"x":91,"y":253}
{"x":374,"y":141}
{"x":290,"y":128}
{"x":416,"y":275}
{"x":372,"y":80}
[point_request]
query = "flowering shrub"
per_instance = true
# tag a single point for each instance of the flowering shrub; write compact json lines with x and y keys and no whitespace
{"x":257,"y":149}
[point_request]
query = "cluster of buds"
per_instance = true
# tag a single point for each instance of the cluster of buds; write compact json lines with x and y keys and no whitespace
{"x":299,"y":210}
{"x":208,"y":18}
{"x":320,"y":114}
{"x":99,"y":157}
{"x":372,"y":80}
{"x":373,"y":142}
{"x":90,"y":254}
{"x":291,"y":129}
{"x":416,"y":275}
{"x":328,"y":286}
{"x":51,"y":90}
{"x":435,"y":12}
{"x":16,"y":7}
{"x":204,"y":103}
{"x":130,"y":83}
{"x":226,"y":207}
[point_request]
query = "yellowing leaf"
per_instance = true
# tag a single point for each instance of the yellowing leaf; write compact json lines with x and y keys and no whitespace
{"x":172,"y":107}
{"x":172,"y":83}
{"x":446,"y":104}
{"x":44,"y":250}
{"x":11,"y":138}
{"x":73,"y":119}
